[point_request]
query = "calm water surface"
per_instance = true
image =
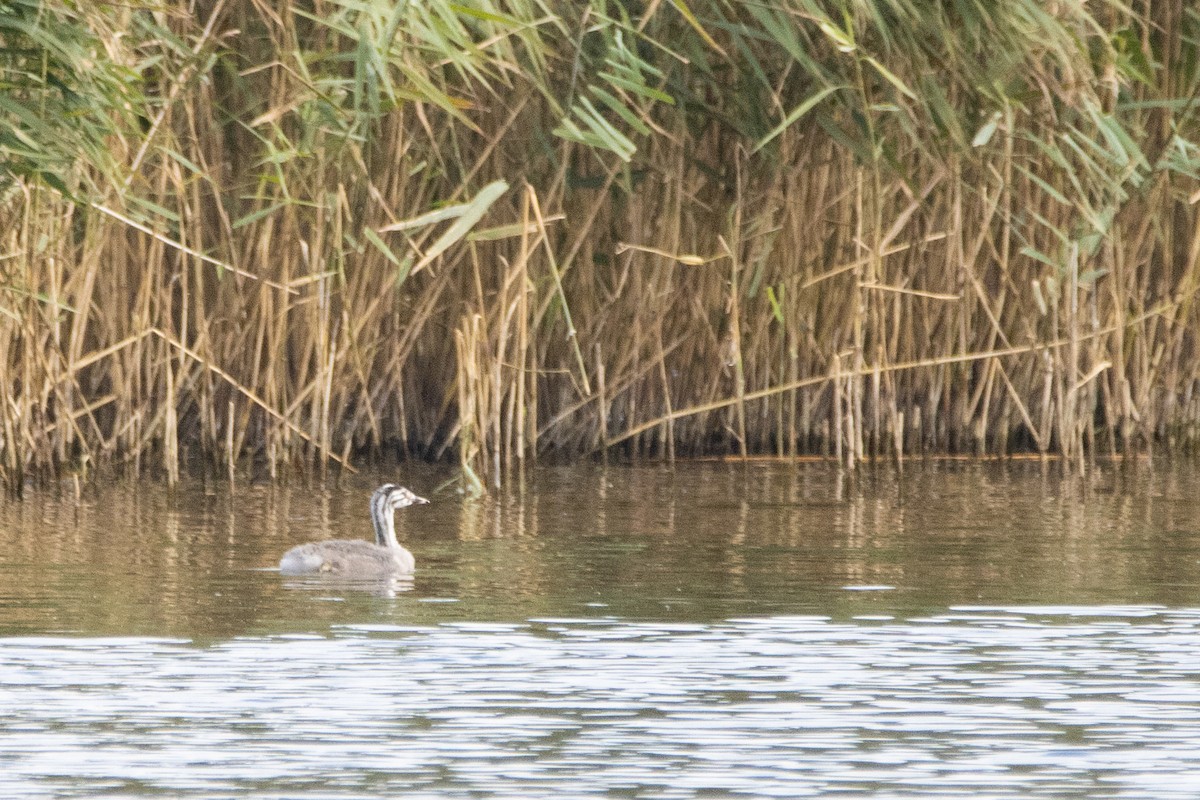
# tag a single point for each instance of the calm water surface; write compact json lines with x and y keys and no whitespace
{"x":991,"y":631}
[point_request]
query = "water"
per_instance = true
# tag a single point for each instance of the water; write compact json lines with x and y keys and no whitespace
{"x":705,"y":632}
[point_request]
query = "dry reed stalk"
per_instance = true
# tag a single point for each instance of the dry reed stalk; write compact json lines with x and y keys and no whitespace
{"x":734,"y":358}
{"x":517,"y":275}
{"x":551,"y":264}
{"x":171,"y":432}
{"x":471,"y":402}
{"x":602,"y":398}
{"x":835,"y":379}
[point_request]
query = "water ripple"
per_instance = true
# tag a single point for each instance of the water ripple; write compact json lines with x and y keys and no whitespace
{"x":998,"y":702}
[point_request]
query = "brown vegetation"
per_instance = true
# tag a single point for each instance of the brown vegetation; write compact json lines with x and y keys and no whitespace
{"x":304,"y":234}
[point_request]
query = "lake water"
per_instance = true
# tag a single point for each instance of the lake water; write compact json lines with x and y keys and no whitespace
{"x":707,"y":631}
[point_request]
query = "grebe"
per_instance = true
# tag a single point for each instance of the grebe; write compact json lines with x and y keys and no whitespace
{"x":353,"y":558}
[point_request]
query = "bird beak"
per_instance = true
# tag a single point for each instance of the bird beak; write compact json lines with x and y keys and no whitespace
{"x":420,"y":501}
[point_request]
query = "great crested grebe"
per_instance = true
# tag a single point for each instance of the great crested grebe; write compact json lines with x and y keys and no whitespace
{"x":354,"y":558}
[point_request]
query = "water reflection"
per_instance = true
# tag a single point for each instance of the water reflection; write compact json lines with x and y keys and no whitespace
{"x":337,"y":587}
{"x":712,"y":630}
{"x":701,"y":542}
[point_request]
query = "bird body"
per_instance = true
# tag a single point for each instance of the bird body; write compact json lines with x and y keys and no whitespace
{"x":349,"y":557}
{"x":353,"y":558}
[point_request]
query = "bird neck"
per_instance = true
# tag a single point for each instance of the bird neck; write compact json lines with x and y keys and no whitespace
{"x":385,"y":527}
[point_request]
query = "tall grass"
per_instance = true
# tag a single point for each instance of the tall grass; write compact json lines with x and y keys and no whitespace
{"x":268,"y":235}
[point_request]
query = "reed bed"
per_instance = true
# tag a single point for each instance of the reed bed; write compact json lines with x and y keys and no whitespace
{"x":284,"y":236}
